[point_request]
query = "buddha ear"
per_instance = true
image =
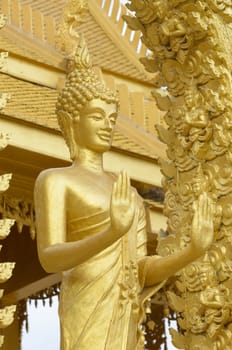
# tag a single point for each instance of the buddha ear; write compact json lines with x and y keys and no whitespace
{"x":66,"y":125}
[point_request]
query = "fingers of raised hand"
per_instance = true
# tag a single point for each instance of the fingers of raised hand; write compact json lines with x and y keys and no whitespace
{"x":118,"y":186}
{"x":195,"y":221}
{"x":121,"y":188}
{"x":122,"y":206}
{"x":125,"y":189}
{"x":132,"y":200}
{"x":203,"y":216}
{"x":114,"y":192}
{"x":206,"y":207}
{"x":210,"y":210}
{"x":200,"y":205}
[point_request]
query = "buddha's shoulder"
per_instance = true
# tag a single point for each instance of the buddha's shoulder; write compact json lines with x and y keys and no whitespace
{"x":53,"y":176}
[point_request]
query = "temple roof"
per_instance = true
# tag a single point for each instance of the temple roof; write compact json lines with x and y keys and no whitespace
{"x":27,"y":104}
{"x":30,"y":36}
{"x":120,"y":48}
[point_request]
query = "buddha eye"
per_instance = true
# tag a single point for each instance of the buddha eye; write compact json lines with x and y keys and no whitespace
{"x":96,"y":117}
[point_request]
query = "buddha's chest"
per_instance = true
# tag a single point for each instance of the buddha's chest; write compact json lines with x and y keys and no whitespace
{"x":87,"y":199}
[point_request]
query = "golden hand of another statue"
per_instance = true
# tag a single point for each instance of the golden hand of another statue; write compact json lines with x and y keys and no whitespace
{"x":202,"y":224}
{"x":122,"y":206}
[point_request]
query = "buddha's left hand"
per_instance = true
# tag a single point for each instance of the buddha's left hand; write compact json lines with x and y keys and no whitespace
{"x":202,"y":224}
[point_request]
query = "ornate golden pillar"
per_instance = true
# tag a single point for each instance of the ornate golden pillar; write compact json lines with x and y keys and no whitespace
{"x":190,"y":44}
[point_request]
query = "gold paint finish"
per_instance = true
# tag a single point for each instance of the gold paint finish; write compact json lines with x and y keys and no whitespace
{"x":91,"y":226}
{"x":190,"y":44}
{"x":6,"y":268}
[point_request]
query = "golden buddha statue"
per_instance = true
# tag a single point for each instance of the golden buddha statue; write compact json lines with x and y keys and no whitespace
{"x":91,"y":226}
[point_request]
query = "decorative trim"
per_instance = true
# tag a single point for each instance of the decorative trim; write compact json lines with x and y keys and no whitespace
{"x":5,"y":227}
{"x":6,"y":268}
{"x":190,"y":43}
{"x":32,"y":22}
{"x":19,"y":211}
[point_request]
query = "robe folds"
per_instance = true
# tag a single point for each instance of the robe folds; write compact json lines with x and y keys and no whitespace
{"x":101,"y":300}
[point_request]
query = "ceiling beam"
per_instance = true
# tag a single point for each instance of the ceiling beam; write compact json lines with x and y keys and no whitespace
{"x":45,"y":142}
{"x":30,"y":289}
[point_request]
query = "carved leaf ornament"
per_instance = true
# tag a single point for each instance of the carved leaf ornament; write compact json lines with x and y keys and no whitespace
{"x":190,"y":54}
{"x":6,"y":268}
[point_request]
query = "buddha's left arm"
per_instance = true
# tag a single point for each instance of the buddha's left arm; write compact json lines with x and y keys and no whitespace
{"x":155,"y":269}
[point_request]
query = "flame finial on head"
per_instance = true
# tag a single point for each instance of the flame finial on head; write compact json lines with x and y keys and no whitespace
{"x":81,"y":57}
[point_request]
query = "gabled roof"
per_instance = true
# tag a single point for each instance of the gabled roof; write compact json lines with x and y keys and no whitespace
{"x":38,"y":19}
{"x":27,"y":104}
{"x":13,"y":42}
{"x":31,"y":35}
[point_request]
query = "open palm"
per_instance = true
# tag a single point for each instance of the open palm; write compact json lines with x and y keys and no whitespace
{"x":202,"y":224}
{"x":122,"y":206}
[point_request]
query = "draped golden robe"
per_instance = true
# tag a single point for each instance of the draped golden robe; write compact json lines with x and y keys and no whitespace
{"x":100,"y":300}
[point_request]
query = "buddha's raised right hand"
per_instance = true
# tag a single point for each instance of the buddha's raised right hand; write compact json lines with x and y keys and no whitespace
{"x":122,"y":206}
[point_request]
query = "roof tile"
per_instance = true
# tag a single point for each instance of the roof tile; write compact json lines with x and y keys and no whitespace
{"x":27,"y":104}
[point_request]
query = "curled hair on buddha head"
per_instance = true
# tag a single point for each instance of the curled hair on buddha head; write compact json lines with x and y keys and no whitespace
{"x":82,"y":85}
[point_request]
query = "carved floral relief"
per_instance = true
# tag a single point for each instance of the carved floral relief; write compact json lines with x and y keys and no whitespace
{"x":6,"y":268}
{"x":190,"y":56}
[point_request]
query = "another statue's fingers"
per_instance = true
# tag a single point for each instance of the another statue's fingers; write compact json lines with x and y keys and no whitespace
{"x":207,"y":205}
{"x":198,"y":206}
{"x":212,"y":207}
{"x":195,"y":223}
{"x":209,"y":209}
{"x":210,"y":212}
{"x":202,"y":206}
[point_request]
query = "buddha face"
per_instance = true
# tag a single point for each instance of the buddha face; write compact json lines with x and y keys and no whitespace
{"x":93,"y":129}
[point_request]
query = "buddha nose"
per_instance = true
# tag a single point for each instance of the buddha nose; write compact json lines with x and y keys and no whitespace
{"x":108,"y":124}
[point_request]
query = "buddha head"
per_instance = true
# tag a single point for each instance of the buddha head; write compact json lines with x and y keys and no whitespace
{"x":86,"y":109}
